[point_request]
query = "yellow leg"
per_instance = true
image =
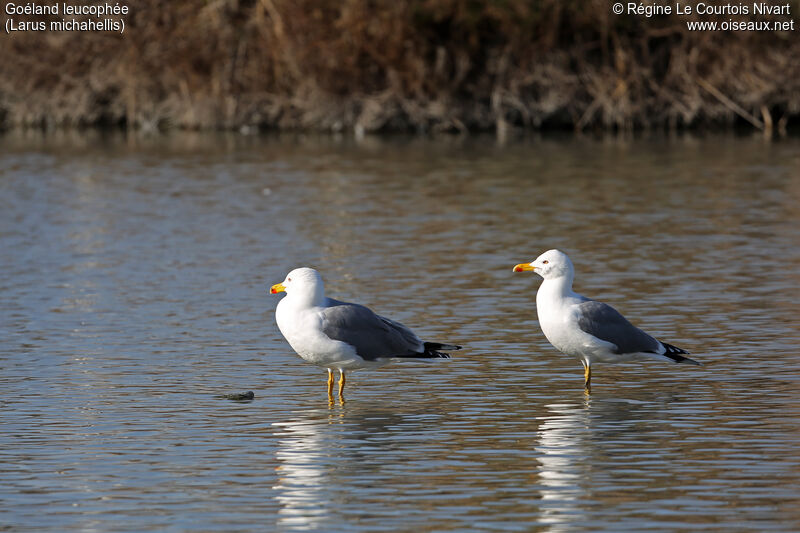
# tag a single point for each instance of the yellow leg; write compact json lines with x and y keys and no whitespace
{"x":587,"y":376}
{"x":330,"y":383}
{"x":341,"y":382}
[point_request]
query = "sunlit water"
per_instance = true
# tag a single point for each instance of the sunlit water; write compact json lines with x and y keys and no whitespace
{"x":134,"y":276}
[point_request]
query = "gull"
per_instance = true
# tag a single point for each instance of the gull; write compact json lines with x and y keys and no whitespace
{"x":584,"y":328}
{"x":340,"y":335}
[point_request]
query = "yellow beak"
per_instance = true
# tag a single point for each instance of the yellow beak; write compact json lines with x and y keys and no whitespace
{"x":523,"y":267}
{"x":278,"y":287}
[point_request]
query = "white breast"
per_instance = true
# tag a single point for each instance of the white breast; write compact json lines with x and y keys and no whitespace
{"x":302,"y":329}
{"x":559,"y":323}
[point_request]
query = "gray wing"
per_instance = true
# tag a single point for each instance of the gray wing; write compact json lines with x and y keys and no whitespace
{"x":373,"y":336}
{"x":606,"y":323}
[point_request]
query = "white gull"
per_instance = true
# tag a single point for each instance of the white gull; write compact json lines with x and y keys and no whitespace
{"x":584,"y":328}
{"x":340,"y":335}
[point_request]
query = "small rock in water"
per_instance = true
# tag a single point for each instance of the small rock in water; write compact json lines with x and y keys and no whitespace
{"x":240,"y":396}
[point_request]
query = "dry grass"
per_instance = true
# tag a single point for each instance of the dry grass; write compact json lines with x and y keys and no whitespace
{"x":419,"y":65}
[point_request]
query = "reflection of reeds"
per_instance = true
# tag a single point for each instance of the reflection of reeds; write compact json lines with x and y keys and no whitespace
{"x":420,"y":65}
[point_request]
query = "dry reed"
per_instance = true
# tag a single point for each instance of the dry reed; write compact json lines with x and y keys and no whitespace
{"x":413,"y":65}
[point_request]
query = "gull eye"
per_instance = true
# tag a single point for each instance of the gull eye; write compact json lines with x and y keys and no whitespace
{"x":545,"y":262}
{"x":288,"y":279}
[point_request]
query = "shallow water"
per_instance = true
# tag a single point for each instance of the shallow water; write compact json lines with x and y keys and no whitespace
{"x":134,"y":278}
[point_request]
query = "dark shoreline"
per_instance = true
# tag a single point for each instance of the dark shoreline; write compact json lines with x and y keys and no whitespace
{"x":437,"y":66}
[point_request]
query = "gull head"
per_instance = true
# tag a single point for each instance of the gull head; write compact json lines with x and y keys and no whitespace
{"x":301,"y":284}
{"x":550,"y":265}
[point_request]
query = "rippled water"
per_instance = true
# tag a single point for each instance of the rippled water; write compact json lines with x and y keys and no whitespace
{"x":134,"y":276}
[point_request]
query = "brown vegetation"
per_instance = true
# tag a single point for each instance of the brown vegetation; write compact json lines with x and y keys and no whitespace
{"x":419,"y":65}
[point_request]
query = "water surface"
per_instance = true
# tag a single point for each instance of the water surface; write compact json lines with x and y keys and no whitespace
{"x":134,"y":276}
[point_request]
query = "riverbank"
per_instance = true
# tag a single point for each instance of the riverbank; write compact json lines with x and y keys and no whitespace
{"x":420,"y":66}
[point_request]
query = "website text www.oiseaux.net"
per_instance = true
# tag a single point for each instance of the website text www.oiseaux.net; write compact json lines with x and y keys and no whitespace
{"x":740,"y":25}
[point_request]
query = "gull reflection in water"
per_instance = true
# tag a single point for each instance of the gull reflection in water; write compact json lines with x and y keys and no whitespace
{"x":304,"y":484}
{"x":320,"y":451}
{"x":563,"y":439}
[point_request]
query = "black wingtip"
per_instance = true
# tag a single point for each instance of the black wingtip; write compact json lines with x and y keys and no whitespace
{"x":681,"y":359}
{"x":432,"y":350}
{"x":676,"y":354}
{"x":440,"y":346}
{"x":427,"y":354}
{"x":673,"y":350}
